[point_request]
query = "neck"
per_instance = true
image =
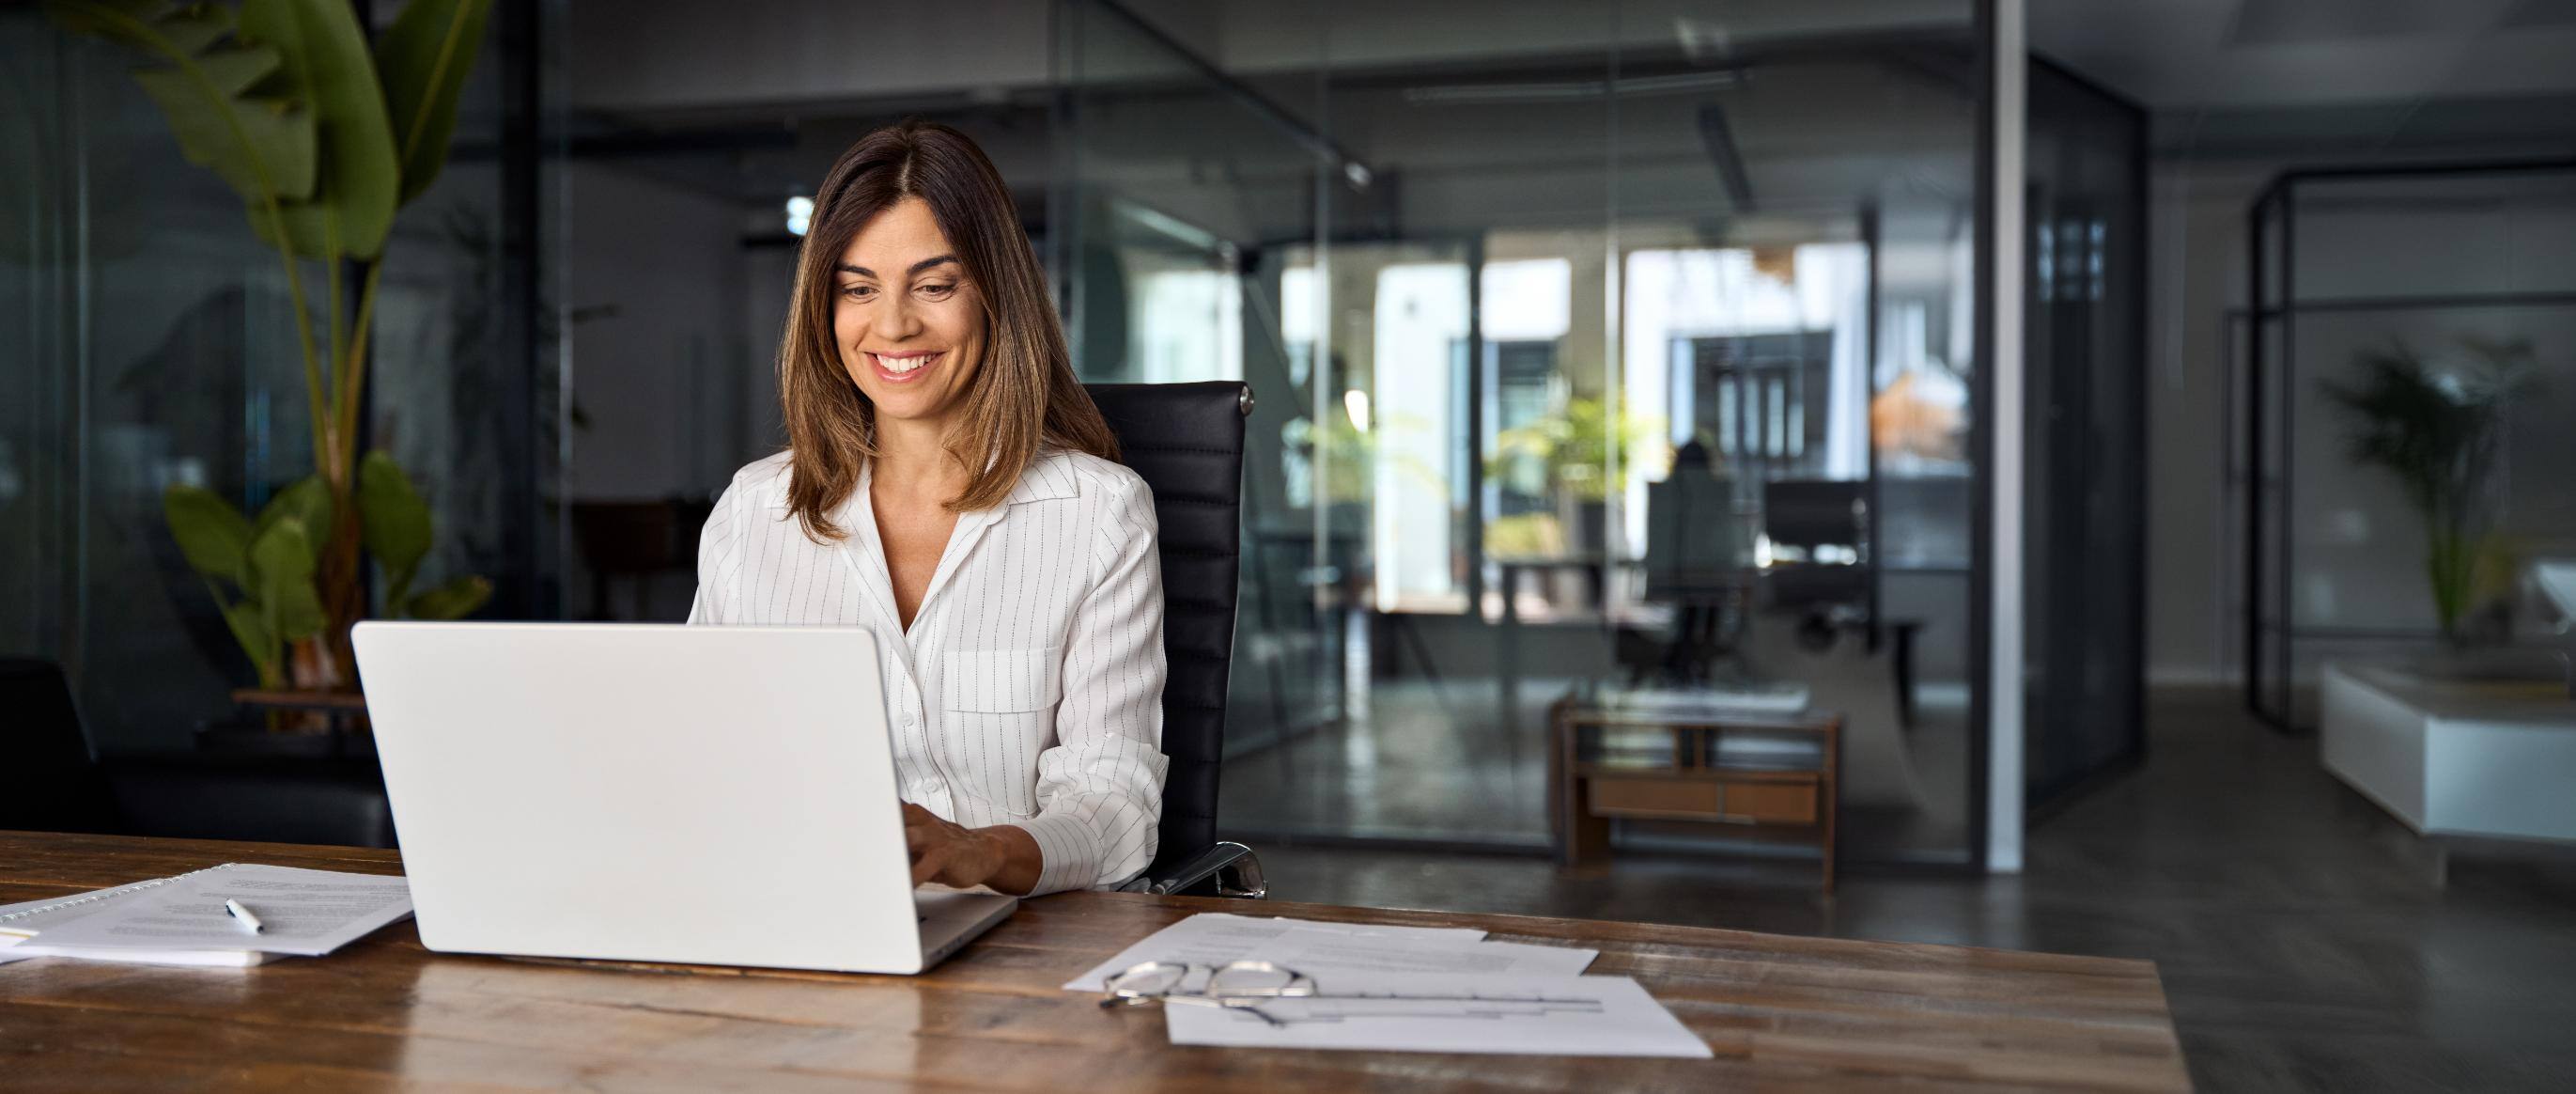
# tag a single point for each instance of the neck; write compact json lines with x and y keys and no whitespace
{"x":914,"y":455}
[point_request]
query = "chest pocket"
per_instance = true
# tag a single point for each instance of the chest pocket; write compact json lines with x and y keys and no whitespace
{"x":1000,"y":714}
{"x":1002,"y":681}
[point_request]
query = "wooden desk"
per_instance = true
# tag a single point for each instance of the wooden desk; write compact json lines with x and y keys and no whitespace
{"x":1782,"y":1013}
{"x":1687,"y":776}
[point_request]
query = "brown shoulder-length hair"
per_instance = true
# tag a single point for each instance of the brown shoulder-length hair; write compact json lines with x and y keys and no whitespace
{"x":1024,"y":396}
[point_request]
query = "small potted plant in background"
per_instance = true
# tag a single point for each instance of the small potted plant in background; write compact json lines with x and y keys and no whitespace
{"x":1573,"y":449}
{"x":324,"y":139}
{"x":2439,"y":431}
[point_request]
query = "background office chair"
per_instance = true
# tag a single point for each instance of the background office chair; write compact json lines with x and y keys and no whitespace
{"x":1186,"y":442}
{"x":52,"y":782}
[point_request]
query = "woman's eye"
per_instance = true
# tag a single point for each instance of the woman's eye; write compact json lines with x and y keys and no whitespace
{"x":936,"y":291}
{"x":858,"y":292}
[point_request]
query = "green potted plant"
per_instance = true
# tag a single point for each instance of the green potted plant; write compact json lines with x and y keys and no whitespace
{"x":1572,"y":449}
{"x":2439,"y":432}
{"x":324,"y":139}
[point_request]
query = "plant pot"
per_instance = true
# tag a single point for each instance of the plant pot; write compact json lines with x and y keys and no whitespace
{"x":305,"y":713}
{"x":1588,"y":533}
{"x":251,"y":738}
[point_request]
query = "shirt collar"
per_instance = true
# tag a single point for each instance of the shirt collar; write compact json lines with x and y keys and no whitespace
{"x":1047,"y":478}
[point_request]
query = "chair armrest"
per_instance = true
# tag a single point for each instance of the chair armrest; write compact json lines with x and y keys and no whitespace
{"x":1226,"y":869}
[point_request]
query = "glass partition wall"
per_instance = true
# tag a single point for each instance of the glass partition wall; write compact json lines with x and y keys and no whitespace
{"x":1510,"y":291}
{"x":2084,"y":354}
{"x":2435,"y":302}
{"x":150,"y":341}
{"x":1625,"y":344}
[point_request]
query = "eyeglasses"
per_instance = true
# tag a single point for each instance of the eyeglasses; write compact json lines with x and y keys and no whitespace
{"x":1235,"y":985}
{"x":1248,"y":987}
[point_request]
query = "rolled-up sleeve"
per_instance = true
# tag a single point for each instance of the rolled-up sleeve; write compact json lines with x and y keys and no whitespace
{"x":1100,"y":787}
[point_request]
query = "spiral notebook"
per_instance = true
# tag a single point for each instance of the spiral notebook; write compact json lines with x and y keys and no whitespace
{"x":181,"y":920}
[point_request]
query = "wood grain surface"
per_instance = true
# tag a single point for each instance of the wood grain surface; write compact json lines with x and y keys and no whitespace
{"x":1782,"y":1013}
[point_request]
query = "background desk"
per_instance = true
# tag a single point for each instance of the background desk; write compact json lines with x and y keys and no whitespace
{"x":1782,"y":1013}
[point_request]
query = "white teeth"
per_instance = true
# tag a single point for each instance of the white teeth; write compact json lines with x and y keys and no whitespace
{"x":900,"y":365}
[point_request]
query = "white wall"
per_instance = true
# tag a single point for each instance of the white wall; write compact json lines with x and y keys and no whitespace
{"x":2196,"y":271}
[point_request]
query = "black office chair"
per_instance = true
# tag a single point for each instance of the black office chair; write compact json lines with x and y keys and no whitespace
{"x":1186,"y":442}
{"x":52,"y":782}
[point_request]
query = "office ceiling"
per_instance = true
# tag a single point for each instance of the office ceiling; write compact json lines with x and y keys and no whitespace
{"x":1449,"y":93}
{"x":2275,"y":77}
{"x":2173,"y":54}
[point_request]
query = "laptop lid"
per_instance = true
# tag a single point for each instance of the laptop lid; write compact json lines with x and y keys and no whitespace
{"x":710,"y":795}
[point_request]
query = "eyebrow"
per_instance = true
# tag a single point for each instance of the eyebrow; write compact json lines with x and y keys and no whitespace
{"x":917,"y":267}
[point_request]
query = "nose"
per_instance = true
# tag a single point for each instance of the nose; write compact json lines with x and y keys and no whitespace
{"x":903,"y":317}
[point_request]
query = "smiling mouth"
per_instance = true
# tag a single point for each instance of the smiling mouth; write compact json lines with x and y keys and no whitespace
{"x":901,"y":367}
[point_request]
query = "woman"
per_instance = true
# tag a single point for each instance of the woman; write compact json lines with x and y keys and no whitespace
{"x":949,"y":485}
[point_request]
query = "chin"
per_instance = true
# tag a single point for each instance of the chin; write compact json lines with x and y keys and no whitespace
{"x":905,"y":403}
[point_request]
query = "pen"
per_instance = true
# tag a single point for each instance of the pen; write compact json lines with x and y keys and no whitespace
{"x":234,"y":909}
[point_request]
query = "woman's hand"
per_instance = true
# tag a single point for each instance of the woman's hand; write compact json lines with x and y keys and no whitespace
{"x":1003,"y":856}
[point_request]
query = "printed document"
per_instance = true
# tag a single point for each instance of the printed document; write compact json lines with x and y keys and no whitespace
{"x":1438,"y":1012}
{"x":306,"y":912}
{"x":1210,"y":939}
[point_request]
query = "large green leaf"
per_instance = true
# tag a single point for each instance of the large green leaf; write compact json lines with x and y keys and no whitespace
{"x":217,"y":95}
{"x":213,"y":535}
{"x":325,"y":63}
{"x":250,"y":628}
{"x":189,"y":27}
{"x":454,"y":600}
{"x":424,"y":58}
{"x":281,"y":562}
{"x":307,"y":500}
{"x":395,"y":520}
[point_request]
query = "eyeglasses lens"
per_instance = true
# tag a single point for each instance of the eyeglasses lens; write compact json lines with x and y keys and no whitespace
{"x":1148,"y":980}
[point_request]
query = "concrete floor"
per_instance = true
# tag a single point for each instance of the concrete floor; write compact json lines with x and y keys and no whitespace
{"x":1429,"y":762}
{"x":2306,"y":940}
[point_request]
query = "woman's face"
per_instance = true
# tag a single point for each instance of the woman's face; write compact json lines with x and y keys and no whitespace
{"x":909,"y":324}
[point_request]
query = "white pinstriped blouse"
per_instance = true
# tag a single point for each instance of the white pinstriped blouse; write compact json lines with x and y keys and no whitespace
{"x":1029,"y":690}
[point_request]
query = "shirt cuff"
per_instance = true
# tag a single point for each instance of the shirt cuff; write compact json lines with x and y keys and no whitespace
{"x":1068,"y":852}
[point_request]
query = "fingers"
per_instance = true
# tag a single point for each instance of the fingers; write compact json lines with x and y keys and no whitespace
{"x":942,"y":851}
{"x":927,"y":864}
{"x":929,"y":840}
{"x":921,"y":827}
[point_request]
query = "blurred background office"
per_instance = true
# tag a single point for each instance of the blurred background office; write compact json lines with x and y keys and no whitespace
{"x":1990,"y":373}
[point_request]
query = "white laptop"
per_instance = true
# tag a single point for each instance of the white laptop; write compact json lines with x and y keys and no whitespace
{"x":707,"y":795}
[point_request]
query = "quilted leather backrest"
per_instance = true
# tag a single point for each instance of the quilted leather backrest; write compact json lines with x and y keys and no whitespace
{"x":1186,"y":442}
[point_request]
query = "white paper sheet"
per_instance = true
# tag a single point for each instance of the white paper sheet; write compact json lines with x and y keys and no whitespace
{"x":223,"y":959}
{"x":309,"y":912}
{"x":1433,"y":1012}
{"x":19,"y":925}
{"x":1316,"y":952}
{"x":24,"y":905}
{"x":18,"y":921}
{"x":1214,"y":938}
